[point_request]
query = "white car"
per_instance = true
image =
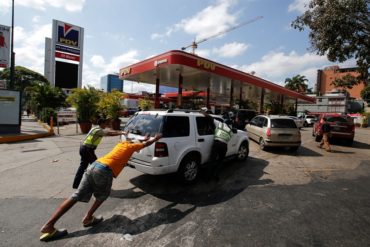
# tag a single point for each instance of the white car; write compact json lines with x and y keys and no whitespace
{"x":187,"y":138}
{"x":298,"y":121}
{"x":308,"y":120}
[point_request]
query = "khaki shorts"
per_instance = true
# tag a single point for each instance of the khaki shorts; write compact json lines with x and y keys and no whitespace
{"x":95,"y":181}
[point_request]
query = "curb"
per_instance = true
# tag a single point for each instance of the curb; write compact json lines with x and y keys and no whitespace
{"x":20,"y":137}
{"x":10,"y":139}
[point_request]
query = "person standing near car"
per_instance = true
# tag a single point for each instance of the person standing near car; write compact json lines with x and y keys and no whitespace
{"x":87,"y":148}
{"x":325,"y":128}
{"x":222,"y":136}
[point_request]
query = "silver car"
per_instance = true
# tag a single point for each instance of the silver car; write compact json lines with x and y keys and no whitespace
{"x":274,"y":131}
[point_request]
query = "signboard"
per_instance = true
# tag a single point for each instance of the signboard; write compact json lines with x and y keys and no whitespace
{"x":67,"y":116}
{"x":4,"y":46}
{"x":9,"y":107}
{"x":2,"y":84}
{"x":64,"y":68}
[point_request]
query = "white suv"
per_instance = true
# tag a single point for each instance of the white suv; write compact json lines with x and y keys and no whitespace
{"x":187,"y":138}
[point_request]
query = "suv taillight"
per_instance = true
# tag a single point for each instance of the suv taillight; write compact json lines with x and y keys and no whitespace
{"x":160,"y":149}
{"x":268,"y":133}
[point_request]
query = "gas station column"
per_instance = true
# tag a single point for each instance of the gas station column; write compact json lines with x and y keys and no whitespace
{"x":208,"y":95}
{"x":231,"y":93}
{"x":262,"y":100}
{"x":156,"y":100}
{"x":179,"y":95}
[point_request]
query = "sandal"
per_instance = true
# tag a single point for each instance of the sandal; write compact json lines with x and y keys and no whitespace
{"x":94,"y":221}
{"x":56,"y":234}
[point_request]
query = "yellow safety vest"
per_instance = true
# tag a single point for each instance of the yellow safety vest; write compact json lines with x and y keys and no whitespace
{"x":92,"y":139}
{"x":223,"y":132}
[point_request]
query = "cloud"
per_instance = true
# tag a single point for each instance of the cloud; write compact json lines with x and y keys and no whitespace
{"x":99,"y":67}
{"x":276,"y":66}
{"x":69,"y":5}
{"x":203,"y":24}
{"x":299,"y":5}
{"x":231,"y":49}
{"x":29,"y":46}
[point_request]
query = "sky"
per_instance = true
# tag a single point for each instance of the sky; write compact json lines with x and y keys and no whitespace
{"x":119,"y":33}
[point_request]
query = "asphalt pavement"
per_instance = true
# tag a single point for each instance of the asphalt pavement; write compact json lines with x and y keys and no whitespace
{"x":275,"y":198}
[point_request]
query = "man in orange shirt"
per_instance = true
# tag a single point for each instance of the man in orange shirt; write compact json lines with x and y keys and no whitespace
{"x":96,"y":180}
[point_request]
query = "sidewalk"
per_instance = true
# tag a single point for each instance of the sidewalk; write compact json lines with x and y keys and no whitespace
{"x":30,"y":129}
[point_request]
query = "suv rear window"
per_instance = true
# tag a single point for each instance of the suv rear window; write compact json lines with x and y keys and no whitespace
{"x":176,"y":126}
{"x":143,"y":124}
{"x":283,"y":123}
{"x":337,"y":119}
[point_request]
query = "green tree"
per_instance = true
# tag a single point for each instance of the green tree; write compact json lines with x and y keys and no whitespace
{"x":340,"y":30}
{"x":110,"y":104}
{"x":346,"y":82}
{"x":85,"y":100}
{"x":146,"y":104}
{"x":44,"y":95}
{"x":297,"y":83}
{"x":23,"y":78}
{"x":365,"y":94}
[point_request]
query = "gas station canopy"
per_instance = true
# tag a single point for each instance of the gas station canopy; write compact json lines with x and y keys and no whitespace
{"x":184,"y":70}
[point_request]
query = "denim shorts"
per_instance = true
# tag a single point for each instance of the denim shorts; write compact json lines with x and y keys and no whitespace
{"x":97,"y":181}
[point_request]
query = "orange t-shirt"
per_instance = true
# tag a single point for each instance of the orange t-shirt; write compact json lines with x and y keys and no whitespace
{"x":118,"y":157}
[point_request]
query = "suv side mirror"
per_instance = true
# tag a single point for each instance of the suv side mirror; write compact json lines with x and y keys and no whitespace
{"x":234,"y":130}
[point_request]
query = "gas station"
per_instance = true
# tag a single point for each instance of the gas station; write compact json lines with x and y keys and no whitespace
{"x":213,"y":85}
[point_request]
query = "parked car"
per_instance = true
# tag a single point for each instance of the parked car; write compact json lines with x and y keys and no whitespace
{"x":187,"y":138}
{"x":242,"y":117}
{"x":274,"y":131}
{"x":308,"y":120}
{"x":342,"y":127}
{"x":298,"y":121}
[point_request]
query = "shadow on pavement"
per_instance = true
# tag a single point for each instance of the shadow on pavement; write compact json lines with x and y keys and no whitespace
{"x":234,"y":178}
{"x":122,"y":224}
{"x":361,"y":145}
{"x":302,"y":151}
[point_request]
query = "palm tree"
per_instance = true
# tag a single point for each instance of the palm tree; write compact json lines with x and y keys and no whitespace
{"x":297,"y":83}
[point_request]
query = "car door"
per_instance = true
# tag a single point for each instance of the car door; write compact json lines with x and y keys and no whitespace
{"x":205,"y":129}
{"x":252,"y":128}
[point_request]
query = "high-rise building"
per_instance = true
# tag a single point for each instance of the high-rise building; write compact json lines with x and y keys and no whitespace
{"x":328,"y":75}
{"x":111,"y":82}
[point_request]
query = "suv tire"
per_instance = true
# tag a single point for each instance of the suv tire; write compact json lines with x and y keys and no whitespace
{"x":243,"y":152}
{"x":189,"y":169}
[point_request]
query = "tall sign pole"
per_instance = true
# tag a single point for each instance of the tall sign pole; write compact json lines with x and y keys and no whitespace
{"x":11,"y":86}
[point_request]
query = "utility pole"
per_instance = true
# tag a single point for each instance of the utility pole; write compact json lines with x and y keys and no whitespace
{"x":11,"y":85}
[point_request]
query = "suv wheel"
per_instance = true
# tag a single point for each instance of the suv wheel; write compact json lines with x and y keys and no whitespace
{"x":262,"y":144}
{"x":189,"y":169}
{"x":242,"y":152}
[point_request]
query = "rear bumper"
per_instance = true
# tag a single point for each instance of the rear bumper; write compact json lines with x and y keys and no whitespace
{"x":342,"y":135}
{"x":282,"y":144}
{"x":151,"y":168}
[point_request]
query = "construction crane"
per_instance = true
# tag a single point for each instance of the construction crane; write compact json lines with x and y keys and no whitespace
{"x":194,"y":45}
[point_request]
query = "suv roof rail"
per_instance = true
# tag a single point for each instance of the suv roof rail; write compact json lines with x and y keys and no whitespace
{"x":183,"y":110}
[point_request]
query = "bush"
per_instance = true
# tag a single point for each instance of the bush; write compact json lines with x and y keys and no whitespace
{"x":46,"y":113}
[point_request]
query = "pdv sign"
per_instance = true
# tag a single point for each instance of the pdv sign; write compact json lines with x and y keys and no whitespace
{"x":68,"y":35}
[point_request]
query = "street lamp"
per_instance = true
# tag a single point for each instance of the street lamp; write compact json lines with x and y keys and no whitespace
{"x":12,"y":51}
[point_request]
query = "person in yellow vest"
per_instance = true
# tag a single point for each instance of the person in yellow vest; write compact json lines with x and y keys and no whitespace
{"x":96,"y":180}
{"x":222,"y":136}
{"x":87,"y":148}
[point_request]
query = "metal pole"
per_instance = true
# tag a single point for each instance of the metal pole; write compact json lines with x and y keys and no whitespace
{"x":12,"y":52}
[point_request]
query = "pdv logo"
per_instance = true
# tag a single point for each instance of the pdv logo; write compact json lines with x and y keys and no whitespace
{"x":68,"y":35}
